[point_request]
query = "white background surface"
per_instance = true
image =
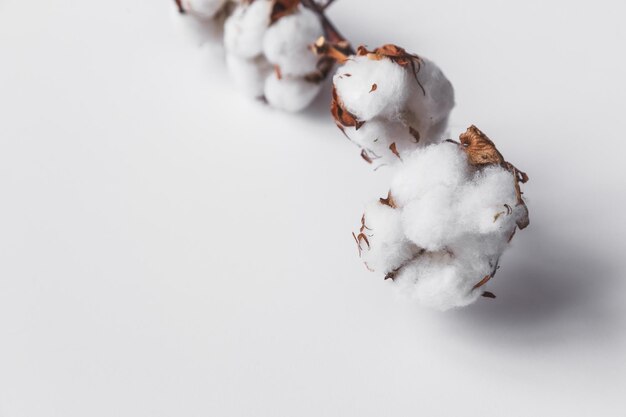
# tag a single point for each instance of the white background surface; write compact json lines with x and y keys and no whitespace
{"x":168,"y":248}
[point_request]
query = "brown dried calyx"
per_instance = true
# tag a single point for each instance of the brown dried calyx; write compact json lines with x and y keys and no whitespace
{"x":389,"y":201}
{"x":481,"y":151}
{"x":343,"y":118}
{"x":339,"y":51}
{"x":329,"y":53}
{"x":396,"y":54}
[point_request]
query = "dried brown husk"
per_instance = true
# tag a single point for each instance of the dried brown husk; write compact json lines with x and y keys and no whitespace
{"x":396,"y":54}
{"x":343,"y":118}
{"x":329,"y":54}
{"x":389,"y":201}
{"x":481,"y":152}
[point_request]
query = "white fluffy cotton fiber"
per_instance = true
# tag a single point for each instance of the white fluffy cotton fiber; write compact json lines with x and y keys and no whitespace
{"x":441,"y":232}
{"x":391,"y":102}
{"x":270,"y":57}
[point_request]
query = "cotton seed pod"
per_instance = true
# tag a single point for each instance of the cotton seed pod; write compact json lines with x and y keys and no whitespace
{"x":451,"y":212}
{"x":276,"y":34}
{"x":405,"y":97}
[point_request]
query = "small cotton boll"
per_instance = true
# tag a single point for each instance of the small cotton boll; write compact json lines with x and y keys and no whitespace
{"x":203,"y":9}
{"x":245,"y":27}
{"x":369,"y":88}
{"x":386,"y":247}
{"x":290,"y":93}
{"x":286,"y":42}
{"x":249,"y":75}
{"x":435,"y":165}
{"x":397,"y":87}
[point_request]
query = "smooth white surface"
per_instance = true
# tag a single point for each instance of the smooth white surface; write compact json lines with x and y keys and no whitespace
{"x":168,"y":248}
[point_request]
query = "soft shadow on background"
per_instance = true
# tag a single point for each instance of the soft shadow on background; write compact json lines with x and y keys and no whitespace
{"x":559,"y":293}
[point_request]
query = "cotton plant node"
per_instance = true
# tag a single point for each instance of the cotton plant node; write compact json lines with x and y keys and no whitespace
{"x":453,"y":206}
{"x":451,"y":212}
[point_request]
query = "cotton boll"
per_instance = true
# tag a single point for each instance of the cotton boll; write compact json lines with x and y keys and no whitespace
{"x":249,"y":75}
{"x":290,"y":93}
{"x":436,"y":165}
{"x":286,"y":42}
{"x":244,"y":29}
{"x":450,"y":214}
{"x":385,"y":247}
{"x":389,"y":85}
{"x":369,"y":88}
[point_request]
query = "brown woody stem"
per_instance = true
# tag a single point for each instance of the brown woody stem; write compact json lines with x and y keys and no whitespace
{"x":330,"y":31}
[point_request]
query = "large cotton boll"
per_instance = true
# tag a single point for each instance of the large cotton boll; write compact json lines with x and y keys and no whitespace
{"x":456,"y":218}
{"x":245,"y":27}
{"x":290,"y":94}
{"x":286,"y":42}
{"x":248,"y":74}
{"x":436,"y":165}
{"x":368,"y":88}
{"x":386,"y":247}
{"x":203,"y":9}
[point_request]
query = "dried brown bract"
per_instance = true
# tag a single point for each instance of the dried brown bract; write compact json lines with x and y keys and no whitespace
{"x":342,"y":116}
{"x":481,"y":151}
{"x":389,"y":201}
{"x":396,"y":54}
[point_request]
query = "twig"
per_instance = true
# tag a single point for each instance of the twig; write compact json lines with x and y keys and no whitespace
{"x":330,"y":31}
